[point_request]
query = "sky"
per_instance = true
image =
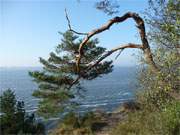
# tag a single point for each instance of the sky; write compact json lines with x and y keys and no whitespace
{"x":29,"y":28}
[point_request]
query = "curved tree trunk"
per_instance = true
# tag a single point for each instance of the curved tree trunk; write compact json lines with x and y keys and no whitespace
{"x":145,"y":47}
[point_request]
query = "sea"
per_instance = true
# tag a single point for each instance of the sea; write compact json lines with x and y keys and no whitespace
{"x":105,"y":93}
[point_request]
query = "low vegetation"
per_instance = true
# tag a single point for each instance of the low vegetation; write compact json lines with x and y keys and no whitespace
{"x":73,"y":124}
{"x":151,"y":121}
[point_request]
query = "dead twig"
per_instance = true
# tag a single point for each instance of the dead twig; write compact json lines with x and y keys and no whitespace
{"x":69,"y":25}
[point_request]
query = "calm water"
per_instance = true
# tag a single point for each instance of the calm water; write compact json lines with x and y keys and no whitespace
{"x":107,"y":92}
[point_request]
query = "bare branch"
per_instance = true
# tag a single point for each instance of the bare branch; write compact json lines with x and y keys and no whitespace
{"x":140,"y":25}
{"x":105,"y":55}
{"x":108,"y":53}
{"x":120,"y":51}
{"x":69,"y":25}
{"x":75,"y":81}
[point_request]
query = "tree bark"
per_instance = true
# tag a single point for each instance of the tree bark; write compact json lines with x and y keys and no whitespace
{"x":145,"y":47}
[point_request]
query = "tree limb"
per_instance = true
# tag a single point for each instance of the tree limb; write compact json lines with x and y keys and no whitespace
{"x":108,"y":53}
{"x":105,"y":55}
{"x":140,"y":25}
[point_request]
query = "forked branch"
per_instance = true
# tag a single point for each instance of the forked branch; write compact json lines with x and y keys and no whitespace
{"x":106,"y":54}
{"x":69,"y":25}
{"x":140,"y":25}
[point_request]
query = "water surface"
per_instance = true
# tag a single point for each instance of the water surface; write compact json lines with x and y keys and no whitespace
{"x":106,"y":92}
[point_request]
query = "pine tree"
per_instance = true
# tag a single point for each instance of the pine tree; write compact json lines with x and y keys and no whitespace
{"x":14,"y":119}
{"x":60,"y":72}
{"x":8,"y":108}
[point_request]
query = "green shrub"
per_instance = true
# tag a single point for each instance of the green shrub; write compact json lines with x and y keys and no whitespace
{"x":150,"y":122}
{"x":73,"y":124}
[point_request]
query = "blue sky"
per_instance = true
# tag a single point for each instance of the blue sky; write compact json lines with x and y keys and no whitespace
{"x":29,"y":28}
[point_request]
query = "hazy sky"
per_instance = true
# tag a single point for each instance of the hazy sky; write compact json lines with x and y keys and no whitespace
{"x":29,"y":28}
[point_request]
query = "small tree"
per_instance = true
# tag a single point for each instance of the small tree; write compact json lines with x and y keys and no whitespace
{"x":14,"y":119}
{"x":8,"y":108}
{"x":159,"y":94}
{"x":59,"y":73}
{"x":163,"y":19}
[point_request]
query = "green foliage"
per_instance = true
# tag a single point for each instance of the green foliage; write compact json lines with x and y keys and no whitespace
{"x":151,"y":122}
{"x":14,"y":119}
{"x":160,"y":109}
{"x":71,"y":120}
{"x":163,"y":19}
{"x":109,"y":7}
{"x":59,"y":72}
{"x":73,"y":124}
{"x":8,"y":102}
